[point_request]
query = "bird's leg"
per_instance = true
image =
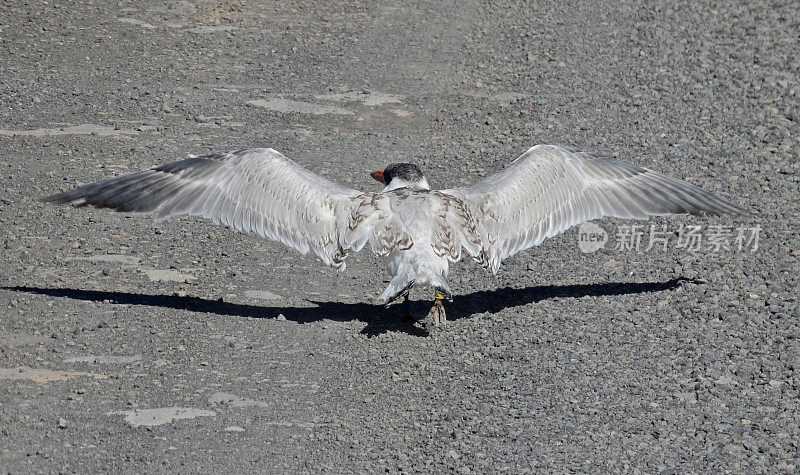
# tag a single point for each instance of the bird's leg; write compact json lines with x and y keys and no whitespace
{"x":436,"y":318}
{"x":407,"y":307}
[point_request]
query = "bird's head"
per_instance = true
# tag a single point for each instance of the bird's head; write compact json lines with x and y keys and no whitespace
{"x":401,"y":175}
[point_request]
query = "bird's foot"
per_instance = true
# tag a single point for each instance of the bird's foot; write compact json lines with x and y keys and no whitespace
{"x":442,"y":294}
{"x":436,"y":318}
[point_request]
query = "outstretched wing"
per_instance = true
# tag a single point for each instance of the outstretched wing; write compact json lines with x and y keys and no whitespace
{"x":550,"y":188}
{"x":256,"y":190}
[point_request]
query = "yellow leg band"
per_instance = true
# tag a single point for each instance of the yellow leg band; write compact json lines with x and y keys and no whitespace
{"x":438,"y":296}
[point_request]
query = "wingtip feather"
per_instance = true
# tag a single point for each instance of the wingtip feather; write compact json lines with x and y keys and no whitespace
{"x":63,"y":197}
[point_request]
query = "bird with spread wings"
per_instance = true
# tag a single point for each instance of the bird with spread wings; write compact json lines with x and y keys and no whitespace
{"x":418,"y":230}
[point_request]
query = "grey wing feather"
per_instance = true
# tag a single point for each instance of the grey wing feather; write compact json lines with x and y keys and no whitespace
{"x":550,"y":188}
{"x":256,"y":190}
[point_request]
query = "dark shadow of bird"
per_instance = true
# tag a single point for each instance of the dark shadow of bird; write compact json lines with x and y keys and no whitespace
{"x":378,"y":319}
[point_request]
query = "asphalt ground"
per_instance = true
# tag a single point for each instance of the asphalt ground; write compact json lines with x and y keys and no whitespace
{"x":128,"y":345}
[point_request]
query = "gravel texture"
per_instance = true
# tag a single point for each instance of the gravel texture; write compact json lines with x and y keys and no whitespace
{"x":127,"y":345}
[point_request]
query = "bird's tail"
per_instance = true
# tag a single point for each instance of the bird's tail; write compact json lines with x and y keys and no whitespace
{"x":402,"y":283}
{"x":399,"y":285}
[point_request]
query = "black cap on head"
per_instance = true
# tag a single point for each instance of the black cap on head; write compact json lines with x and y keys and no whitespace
{"x":406,"y":171}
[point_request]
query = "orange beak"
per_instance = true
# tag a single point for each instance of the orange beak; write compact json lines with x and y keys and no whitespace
{"x":378,"y":175}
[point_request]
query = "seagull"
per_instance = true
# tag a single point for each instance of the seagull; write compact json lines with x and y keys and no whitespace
{"x":419,"y":231}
